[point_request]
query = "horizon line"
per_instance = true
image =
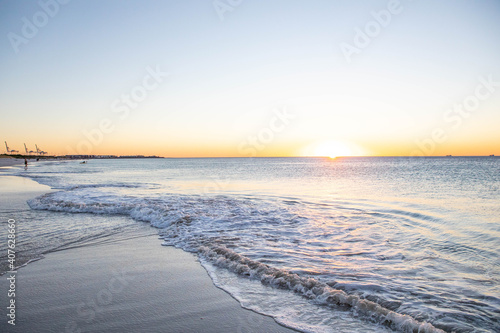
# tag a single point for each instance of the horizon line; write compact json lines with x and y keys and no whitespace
{"x":296,"y":156}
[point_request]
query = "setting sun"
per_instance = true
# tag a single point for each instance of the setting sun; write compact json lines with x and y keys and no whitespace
{"x":332,"y":149}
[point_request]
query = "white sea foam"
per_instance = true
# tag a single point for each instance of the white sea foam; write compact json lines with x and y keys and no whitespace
{"x":176,"y":214}
{"x":388,"y":241}
{"x":313,"y":289}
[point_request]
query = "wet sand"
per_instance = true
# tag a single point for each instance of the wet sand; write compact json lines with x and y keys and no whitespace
{"x":8,"y":161}
{"x":122,"y":285}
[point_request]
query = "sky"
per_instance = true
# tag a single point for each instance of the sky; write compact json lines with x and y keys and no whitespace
{"x":248,"y":78}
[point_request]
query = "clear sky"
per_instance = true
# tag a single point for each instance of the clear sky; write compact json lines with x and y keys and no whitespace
{"x":251,"y":77}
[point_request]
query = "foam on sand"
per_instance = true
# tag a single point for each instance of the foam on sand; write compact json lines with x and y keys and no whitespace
{"x":313,"y":289}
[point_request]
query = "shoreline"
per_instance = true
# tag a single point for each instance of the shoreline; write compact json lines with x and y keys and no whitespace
{"x":131,"y":284}
{"x":7,"y":162}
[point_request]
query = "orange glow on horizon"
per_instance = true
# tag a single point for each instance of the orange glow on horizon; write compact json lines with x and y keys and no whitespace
{"x":330,"y":148}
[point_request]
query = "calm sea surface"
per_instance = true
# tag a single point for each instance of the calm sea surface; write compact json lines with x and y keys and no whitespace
{"x":322,"y":245}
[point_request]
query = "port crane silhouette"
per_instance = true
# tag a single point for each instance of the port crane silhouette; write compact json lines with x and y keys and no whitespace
{"x":10,"y":151}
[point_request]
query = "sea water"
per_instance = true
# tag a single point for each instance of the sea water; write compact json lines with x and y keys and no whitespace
{"x":322,"y":245}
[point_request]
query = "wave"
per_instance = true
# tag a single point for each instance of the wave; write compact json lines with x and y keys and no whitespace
{"x":313,"y":289}
{"x":37,"y":172}
{"x":59,"y":183}
{"x":111,"y":185}
{"x":176,"y":215}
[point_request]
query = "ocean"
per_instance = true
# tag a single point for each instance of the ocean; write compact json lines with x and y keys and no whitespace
{"x":361,"y":244}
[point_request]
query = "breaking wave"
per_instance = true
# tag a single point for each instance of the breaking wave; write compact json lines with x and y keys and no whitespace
{"x":313,"y":289}
{"x":210,"y":226}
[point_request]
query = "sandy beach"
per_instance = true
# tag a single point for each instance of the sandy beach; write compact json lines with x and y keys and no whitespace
{"x":8,"y":161}
{"x":118,"y":285}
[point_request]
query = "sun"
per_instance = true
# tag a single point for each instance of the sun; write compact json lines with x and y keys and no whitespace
{"x":332,"y":149}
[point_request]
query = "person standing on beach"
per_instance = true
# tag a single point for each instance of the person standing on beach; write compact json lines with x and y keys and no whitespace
{"x":25,"y":163}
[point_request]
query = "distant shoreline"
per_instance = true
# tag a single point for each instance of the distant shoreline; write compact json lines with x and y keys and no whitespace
{"x":89,"y":157}
{"x":72,"y":157}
